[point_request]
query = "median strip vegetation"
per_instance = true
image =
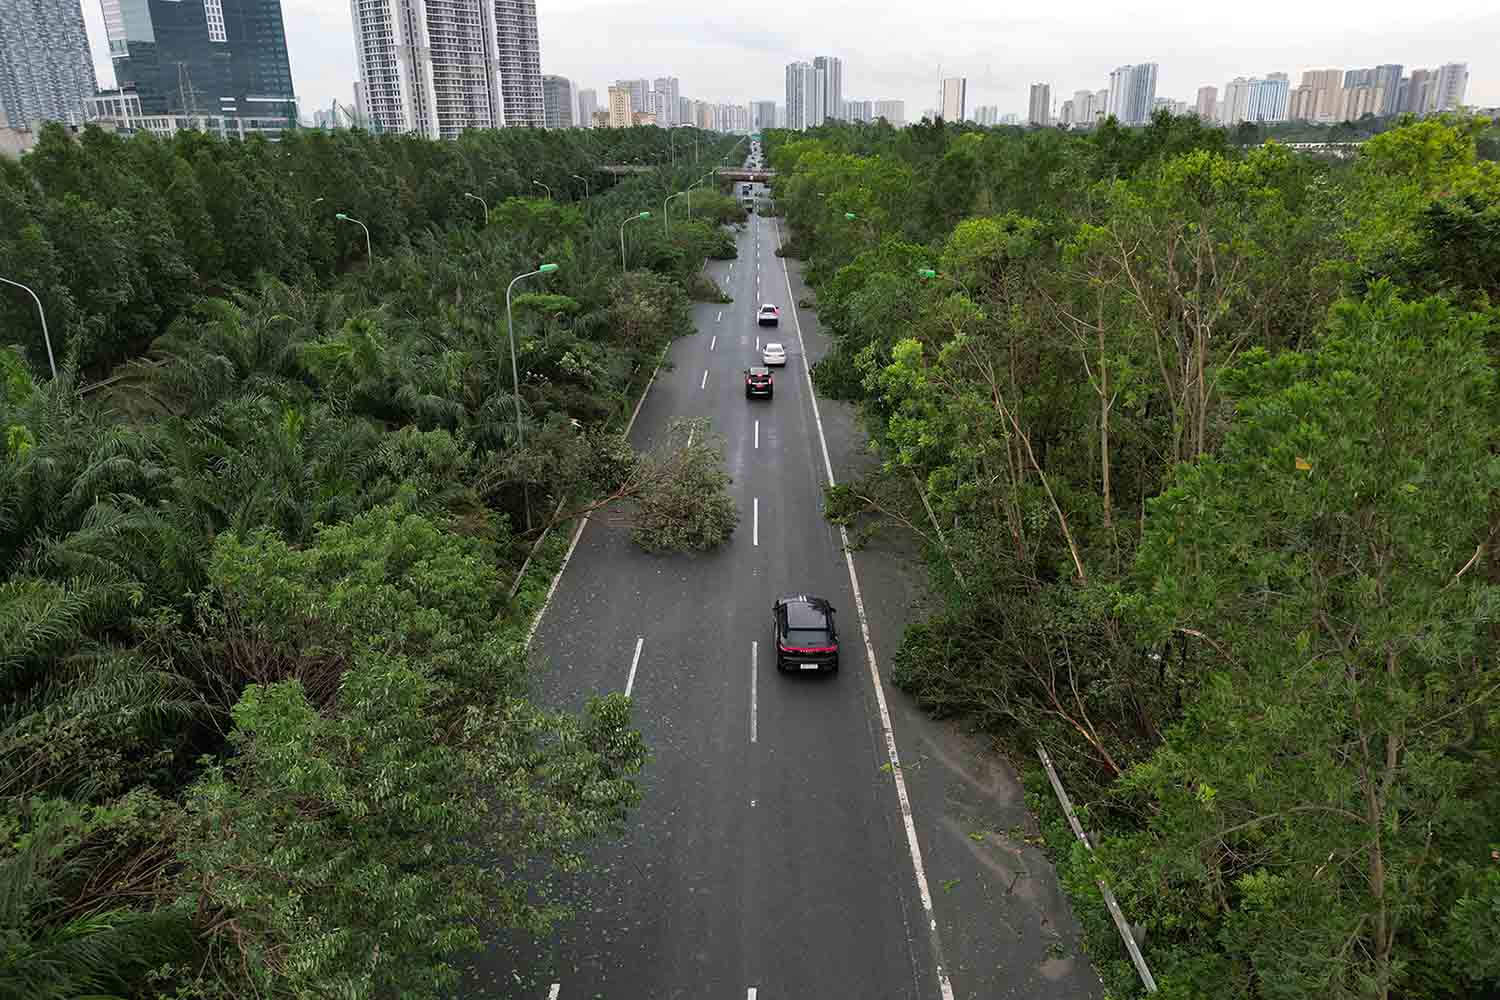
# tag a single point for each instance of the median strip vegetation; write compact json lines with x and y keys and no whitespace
{"x":1200,"y":442}
{"x":266,"y":727}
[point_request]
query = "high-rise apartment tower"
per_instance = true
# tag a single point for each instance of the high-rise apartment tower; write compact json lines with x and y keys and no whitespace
{"x":46,"y":73}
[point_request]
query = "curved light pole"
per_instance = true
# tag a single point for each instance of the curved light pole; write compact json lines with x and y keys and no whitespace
{"x":482,"y":202}
{"x":585,"y":180}
{"x":628,"y":219}
{"x":515,"y":375}
{"x":666,"y":230}
{"x":690,"y":191}
{"x":544,"y":187}
{"x":345,"y":218}
{"x":42,"y":313}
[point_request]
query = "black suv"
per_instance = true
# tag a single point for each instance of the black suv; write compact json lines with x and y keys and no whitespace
{"x":758,"y":383}
{"x":806,"y":638}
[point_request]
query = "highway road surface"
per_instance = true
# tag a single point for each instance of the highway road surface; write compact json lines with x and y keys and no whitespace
{"x":778,"y":853}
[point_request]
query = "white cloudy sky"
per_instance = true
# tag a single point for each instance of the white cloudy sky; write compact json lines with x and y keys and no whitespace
{"x":737,"y":51}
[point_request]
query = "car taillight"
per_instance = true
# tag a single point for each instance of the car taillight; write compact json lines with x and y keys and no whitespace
{"x":807,"y":649}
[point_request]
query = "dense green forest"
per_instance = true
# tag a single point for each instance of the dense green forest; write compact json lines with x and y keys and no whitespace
{"x":265,"y":723}
{"x":1201,"y":443}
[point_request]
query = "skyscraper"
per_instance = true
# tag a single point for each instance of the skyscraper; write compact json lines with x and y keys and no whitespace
{"x":1451,"y":86}
{"x":668,"y":87}
{"x":1132,"y":93}
{"x":763,"y":114}
{"x":1268,"y":98}
{"x":427,"y":66}
{"x":829,"y":71}
{"x":1388,"y":79}
{"x":1040,"y":112}
{"x":1208,"y":99}
{"x":1327,"y":98}
{"x":619,"y":107}
{"x":46,"y":72}
{"x":588,"y":103}
{"x":894,"y":112}
{"x":557,"y":101}
{"x":1083,"y":107}
{"x":222,"y":62}
{"x":519,"y":55}
{"x":800,"y":92}
{"x":1417,"y":91}
{"x":955,"y":93}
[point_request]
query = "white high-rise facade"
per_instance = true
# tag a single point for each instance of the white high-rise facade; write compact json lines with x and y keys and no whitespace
{"x":1040,"y":107}
{"x":829,"y":73}
{"x":520,"y":58}
{"x":427,"y":67}
{"x":1208,"y":100}
{"x":670,"y":91}
{"x":955,"y":94}
{"x":1132,"y":93}
{"x":894,"y":112}
{"x":1451,"y":87}
{"x":801,"y":92}
{"x":438,"y":67}
{"x":46,"y":73}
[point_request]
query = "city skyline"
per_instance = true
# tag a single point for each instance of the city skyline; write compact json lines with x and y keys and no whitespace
{"x":728,"y":60}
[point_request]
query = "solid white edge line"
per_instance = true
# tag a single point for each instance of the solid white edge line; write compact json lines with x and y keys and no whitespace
{"x":913,"y":848}
{"x":584,"y":522}
{"x":754,"y":658}
{"x":756,"y":527}
{"x":554,"y":991}
{"x":635,"y":661}
{"x":705,"y":379}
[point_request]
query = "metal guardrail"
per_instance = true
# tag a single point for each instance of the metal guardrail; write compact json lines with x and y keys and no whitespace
{"x":1109,"y":897}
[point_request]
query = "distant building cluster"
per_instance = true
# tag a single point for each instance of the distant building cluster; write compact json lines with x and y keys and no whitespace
{"x":438,"y":67}
{"x":815,"y":94}
{"x":1323,"y":95}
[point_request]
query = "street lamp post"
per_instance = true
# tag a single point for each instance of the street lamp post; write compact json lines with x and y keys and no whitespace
{"x":544,"y":187}
{"x":628,"y":219}
{"x":515,"y":374}
{"x":483,"y":203}
{"x":346,"y":218}
{"x":585,"y":180}
{"x":666,"y":229}
{"x":46,"y":337}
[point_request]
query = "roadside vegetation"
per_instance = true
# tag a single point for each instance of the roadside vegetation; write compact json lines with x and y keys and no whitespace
{"x":265,"y":718}
{"x":1201,"y":443}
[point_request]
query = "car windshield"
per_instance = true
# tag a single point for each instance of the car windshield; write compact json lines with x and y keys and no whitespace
{"x":773,"y":348}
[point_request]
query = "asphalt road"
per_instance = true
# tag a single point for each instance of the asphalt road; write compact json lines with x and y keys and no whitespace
{"x":771,"y":857}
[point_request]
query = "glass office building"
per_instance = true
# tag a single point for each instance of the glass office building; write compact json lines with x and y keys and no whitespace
{"x":216,"y":60}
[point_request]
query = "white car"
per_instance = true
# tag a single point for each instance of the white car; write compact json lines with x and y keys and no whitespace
{"x":773,"y":354}
{"x":769,"y":315}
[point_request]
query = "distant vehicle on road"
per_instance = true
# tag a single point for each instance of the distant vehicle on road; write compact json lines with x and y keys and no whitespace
{"x":773,"y":354}
{"x":769,"y":315}
{"x":806,"y":638}
{"x":758,"y":383}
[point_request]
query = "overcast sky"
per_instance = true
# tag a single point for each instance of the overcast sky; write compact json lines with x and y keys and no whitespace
{"x":738,"y":52}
